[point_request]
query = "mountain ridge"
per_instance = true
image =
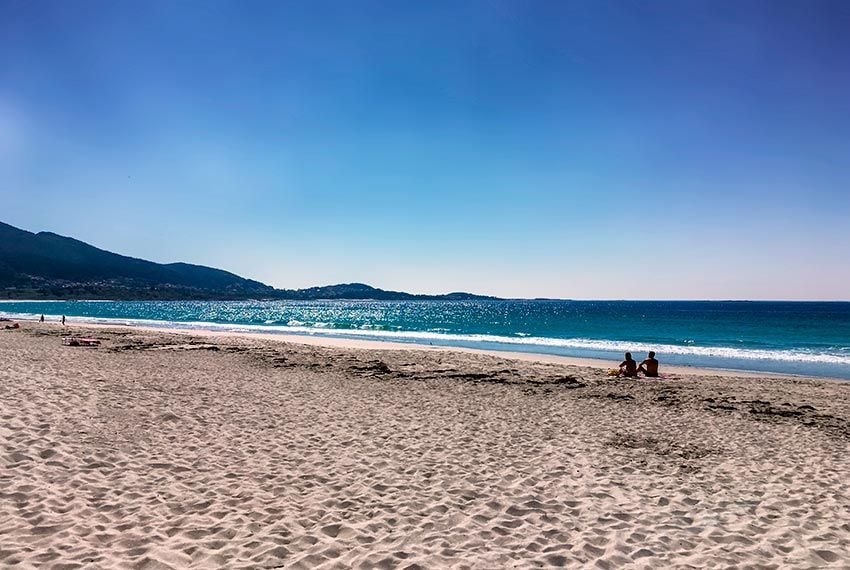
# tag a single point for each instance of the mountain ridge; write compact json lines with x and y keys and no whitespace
{"x":46,"y":265}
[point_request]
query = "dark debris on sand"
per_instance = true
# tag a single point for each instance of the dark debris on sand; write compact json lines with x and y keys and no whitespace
{"x":533,"y":379}
{"x":761,"y":410}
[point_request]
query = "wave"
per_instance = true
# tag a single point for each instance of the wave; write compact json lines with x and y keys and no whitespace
{"x":584,"y":344}
{"x":580,"y":344}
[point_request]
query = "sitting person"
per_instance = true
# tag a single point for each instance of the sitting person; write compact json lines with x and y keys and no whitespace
{"x":628,"y":367}
{"x":649,"y":367}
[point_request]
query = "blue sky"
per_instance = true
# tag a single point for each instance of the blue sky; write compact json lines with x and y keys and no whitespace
{"x":565,"y":149}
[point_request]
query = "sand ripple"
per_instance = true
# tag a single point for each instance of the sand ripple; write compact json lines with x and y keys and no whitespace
{"x":162,"y":451}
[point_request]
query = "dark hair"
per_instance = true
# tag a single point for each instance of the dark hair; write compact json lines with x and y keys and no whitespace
{"x":628,"y":356}
{"x":651,"y":354}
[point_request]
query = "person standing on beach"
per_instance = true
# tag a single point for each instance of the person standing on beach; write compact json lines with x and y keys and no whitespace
{"x":628,"y":367}
{"x":41,"y":320}
{"x":649,"y":367}
{"x":63,"y":320}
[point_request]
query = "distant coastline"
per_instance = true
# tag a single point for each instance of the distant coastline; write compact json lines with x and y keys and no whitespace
{"x":46,"y":266}
{"x":339,"y":292}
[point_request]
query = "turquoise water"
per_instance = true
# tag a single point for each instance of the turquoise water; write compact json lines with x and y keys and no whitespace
{"x":796,"y":338}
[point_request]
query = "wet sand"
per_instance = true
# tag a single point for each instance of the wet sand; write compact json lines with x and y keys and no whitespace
{"x":161,"y":449}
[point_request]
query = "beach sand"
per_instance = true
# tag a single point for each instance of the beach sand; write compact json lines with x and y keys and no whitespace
{"x":172,"y":450}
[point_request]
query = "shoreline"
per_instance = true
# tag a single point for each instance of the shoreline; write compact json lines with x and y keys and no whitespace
{"x":374,"y":344}
{"x":169,"y":449}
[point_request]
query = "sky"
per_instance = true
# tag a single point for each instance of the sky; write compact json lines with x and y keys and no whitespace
{"x":597,"y":150}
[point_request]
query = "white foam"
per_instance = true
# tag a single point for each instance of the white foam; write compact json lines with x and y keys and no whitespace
{"x":324,"y":329}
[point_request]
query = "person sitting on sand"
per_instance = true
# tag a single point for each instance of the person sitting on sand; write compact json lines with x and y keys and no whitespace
{"x":649,"y":367}
{"x":628,"y":367}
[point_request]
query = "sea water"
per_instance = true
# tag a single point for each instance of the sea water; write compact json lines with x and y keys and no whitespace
{"x":806,"y":338}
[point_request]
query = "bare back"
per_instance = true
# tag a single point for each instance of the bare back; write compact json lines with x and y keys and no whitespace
{"x":628,"y":368}
{"x":649,"y":367}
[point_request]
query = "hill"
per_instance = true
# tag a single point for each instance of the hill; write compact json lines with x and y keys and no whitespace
{"x":49,"y":266}
{"x":363,"y":291}
{"x":45,"y":265}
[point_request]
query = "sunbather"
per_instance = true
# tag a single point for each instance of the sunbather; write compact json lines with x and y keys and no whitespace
{"x":649,"y":367}
{"x":628,"y":367}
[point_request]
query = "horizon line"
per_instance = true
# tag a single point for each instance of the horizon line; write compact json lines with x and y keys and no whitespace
{"x":493,"y":298}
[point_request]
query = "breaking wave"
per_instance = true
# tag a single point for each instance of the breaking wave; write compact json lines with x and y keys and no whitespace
{"x":841,"y":358}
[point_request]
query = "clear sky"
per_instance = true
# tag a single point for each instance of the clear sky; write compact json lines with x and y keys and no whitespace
{"x":633,"y":149}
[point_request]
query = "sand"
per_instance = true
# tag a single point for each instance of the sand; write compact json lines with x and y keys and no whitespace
{"x":165,"y":450}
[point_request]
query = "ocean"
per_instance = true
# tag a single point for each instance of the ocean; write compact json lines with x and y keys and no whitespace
{"x":804,"y":338}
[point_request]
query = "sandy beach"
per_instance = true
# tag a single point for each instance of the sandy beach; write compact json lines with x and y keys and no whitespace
{"x":161,"y":449}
